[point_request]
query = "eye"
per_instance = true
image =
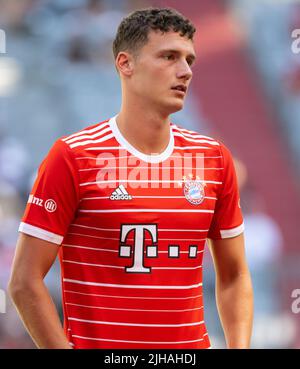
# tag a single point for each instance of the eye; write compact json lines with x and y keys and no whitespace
{"x":190,"y":62}
{"x":169,"y":57}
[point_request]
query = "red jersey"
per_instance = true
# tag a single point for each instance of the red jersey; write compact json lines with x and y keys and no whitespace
{"x":132,"y":229}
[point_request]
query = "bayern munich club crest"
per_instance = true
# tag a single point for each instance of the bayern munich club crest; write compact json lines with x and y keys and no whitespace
{"x":194,"y":191}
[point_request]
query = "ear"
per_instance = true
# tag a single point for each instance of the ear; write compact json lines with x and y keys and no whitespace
{"x":124,"y":63}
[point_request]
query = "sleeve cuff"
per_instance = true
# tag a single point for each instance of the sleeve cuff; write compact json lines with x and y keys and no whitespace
{"x":40,"y":233}
{"x":228,"y":233}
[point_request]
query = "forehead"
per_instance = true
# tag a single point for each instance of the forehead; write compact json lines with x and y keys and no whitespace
{"x":169,"y":40}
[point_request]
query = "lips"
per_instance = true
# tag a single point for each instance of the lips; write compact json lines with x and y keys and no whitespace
{"x":181,"y":88}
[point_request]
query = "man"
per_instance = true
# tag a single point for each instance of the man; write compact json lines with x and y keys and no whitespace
{"x":128,"y":205}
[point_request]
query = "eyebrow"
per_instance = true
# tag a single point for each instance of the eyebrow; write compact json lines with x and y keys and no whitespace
{"x":190,"y":56}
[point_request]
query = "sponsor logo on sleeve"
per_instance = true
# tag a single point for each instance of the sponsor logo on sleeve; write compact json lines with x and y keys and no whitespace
{"x":50,"y":205}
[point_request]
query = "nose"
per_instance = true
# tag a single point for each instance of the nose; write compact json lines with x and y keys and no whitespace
{"x":184,"y":71}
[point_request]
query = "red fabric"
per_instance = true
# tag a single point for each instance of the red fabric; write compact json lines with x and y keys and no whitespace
{"x":227,"y":212}
{"x":107,"y":304}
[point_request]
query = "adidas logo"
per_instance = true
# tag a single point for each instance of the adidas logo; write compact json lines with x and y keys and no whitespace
{"x":120,"y":193}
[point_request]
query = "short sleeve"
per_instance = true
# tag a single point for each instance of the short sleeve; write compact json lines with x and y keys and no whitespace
{"x":228,"y":219}
{"x":54,"y":198}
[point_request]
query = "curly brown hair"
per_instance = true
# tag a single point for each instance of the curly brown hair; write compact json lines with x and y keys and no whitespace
{"x":133,"y":31}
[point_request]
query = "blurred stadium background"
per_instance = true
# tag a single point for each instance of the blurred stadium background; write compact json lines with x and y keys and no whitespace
{"x":57,"y":76}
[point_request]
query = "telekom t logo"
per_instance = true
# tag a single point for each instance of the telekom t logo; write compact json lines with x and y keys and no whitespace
{"x":140,"y":231}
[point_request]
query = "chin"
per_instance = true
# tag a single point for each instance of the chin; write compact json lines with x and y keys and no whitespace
{"x":176,"y":107}
{"x":171,"y":107}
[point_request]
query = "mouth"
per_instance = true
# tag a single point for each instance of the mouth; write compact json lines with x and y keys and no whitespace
{"x":180,"y":89}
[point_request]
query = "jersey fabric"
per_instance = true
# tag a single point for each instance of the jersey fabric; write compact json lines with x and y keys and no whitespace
{"x":132,"y":229}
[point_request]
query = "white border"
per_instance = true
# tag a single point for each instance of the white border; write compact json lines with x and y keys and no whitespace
{"x":232,"y":232}
{"x":147,"y":158}
{"x":40,"y":233}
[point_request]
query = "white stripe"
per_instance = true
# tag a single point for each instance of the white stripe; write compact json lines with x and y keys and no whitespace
{"x":150,"y":310}
{"x":227,"y":233}
{"x":183,"y":230}
{"x":98,"y":237}
{"x":146,"y":239}
{"x":110,"y":250}
{"x":186,"y":252}
{"x":83,"y":143}
{"x":71,"y":344}
{"x":197,"y":139}
{"x":142,"y":181}
{"x":178,"y":268}
{"x":122,"y":267}
{"x":96,"y":228}
{"x":213,"y":157}
{"x":92,"y":130}
{"x":89,"y":248}
{"x":135,"y":324}
{"x":143,"y":342}
{"x":146,"y":197}
{"x":160,"y":229}
{"x":78,"y":138}
{"x":40,"y":233}
{"x":147,"y":211}
{"x":192,"y":147}
{"x":122,"y":148}
{"x":189,"y":132}
{"x":147,"y":168}
{"x":133,"y":286}
{"x":87,"y":158}
{"x":104,"y":148}
{"x":115,"y":251}
{"x":96,"y":265}
{"x":132,"y":156}
{"x":134,"y":297}
{"x":110,"y":158}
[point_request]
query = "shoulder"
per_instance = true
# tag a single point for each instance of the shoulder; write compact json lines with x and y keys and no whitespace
{"x":189,"y":137}
{"x":65,"y":147}
{"x":87,"y":135}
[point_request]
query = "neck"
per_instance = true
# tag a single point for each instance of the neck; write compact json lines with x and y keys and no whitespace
{"x":146,"y":130}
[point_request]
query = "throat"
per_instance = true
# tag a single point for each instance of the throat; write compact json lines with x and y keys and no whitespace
{"x":149,"y":139}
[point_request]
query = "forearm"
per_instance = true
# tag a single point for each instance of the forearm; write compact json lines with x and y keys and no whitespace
{"x":39,"y":315}
{"x":235,"y":306}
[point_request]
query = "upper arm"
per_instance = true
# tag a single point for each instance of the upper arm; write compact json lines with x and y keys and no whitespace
{"x":49,"y":211}
{"x":229,"y":257}
{"x":54,"y":197}
{"x":33,"y":259}
{"x":227,"y":221}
